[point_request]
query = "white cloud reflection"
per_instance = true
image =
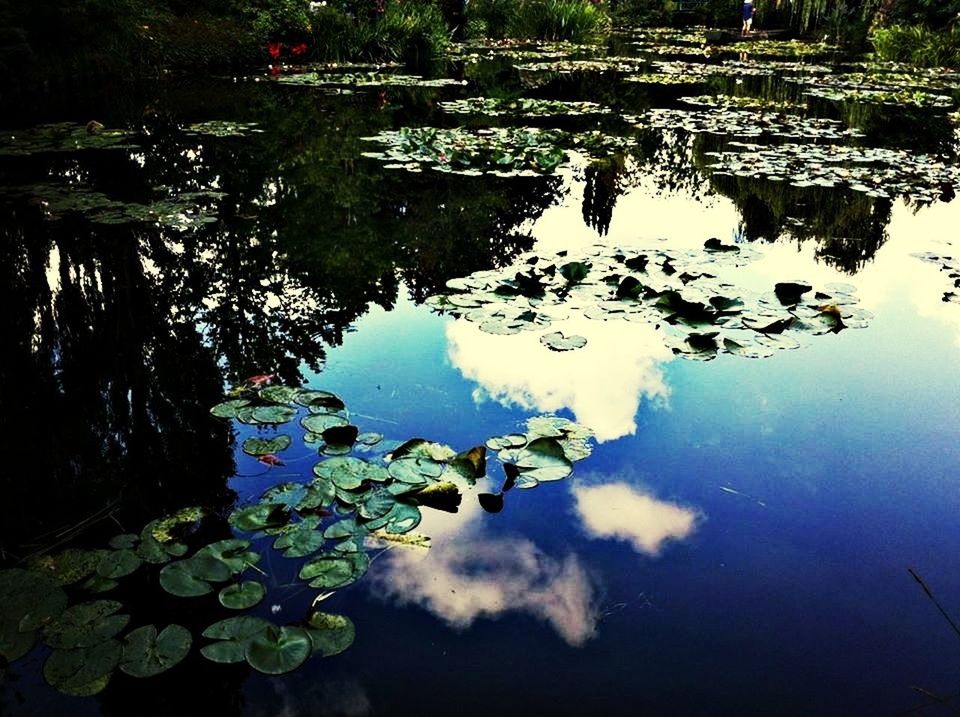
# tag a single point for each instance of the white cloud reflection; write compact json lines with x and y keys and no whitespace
{"x":602,"y":383}
{"x":618,"y":510}
{"x":473,"y":577}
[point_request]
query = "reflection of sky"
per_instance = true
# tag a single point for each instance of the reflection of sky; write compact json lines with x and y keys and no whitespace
{"x":620,"y":511}
{"x":602,"y":383}
{"x":468,"y":575}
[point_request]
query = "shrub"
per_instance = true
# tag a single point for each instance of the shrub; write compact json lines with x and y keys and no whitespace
{"x":411,"y":31}
{"x":917,"y":45}
{"x":575,"y":20}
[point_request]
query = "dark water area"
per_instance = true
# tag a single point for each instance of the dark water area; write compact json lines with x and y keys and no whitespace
{"x":737,"y":542}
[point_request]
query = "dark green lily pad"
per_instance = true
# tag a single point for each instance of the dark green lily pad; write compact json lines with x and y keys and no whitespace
{"x":85,"y":625}
{"x":146,"y":653}
{"x":277,"y":650}
{"x":126,"y":541}
{"x":330,"y":634}
{"x":265,"y":446}
{"x":334,"y":570}
{"x":320,"y":422}
{"x":260,"y":516}
{"x":273,"y":414}
{"x":282,"y":395}
{"x":241,"y":596}
{"x":118,"y":563}
{"x":83,"y":671}
{"x":232,"y":552}
{"x":232,"y":636}
{"x":28,"y":600}
{"x":301,"y":540}
{"x":229,"y":409}
{"x":14,"y":642}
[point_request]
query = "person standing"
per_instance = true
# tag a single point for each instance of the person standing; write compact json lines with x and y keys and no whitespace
{"x":748,"y":12}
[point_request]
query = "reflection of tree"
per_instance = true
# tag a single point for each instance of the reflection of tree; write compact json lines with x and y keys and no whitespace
{"x":601,"y":192}
{"x":119,"y":341}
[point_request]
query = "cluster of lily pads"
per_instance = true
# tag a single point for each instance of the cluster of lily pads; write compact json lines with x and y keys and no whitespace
{"x":521,"y":151}
{"x":181,"y":212}
{"x":780,"y":48}
{"x":874,"y":171}
{"x":653,"y":35}
{"x":522,"y":107}
{"x":652,"y":78}
{"x":63,"y":137}
{"x":224,"y":128}
{"x":732,"y":69}
{"x":570,"y":67}
{"x":351,"y":505}
{"x":893,"y":98}
{"x":652,"y":47}
{"x":748,"y":124}
{"x":949,"y":265}
{"x":727,"y":102}
{"x":363,"y":79}
{"x":678,"y":292}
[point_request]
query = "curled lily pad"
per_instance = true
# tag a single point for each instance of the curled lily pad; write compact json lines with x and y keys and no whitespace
{"x":241,"y":596}
{"x":146,"y":653}
{"x":266,"y":446}
{"x":329,"y":634}
{"x":471,"y":464}
{"x":82,"y":671}
{"x":85,"y":625}
{"x":277,"y":650}
{"x":232,"y":636}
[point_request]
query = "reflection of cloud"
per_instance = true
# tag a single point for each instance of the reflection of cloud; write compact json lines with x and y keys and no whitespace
{"x":601,"y":383}
{"x":340,"y":697}
{"x":472,"y":577}
{"x":617,"y":510}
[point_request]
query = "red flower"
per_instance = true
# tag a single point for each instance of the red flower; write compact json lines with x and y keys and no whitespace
{"x":274,"y":48}
{"x":271,"y":460}
{"x":261,"y":379}
{"x":298,"y":50}
{"x":275,"y":70}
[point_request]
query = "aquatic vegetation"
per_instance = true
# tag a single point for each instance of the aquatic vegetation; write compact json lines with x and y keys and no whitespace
{"x":735,"y":69}
{"x":570,"y":67}
{"x":501,"y":151}
{"x":875,"y":171}
{"x":363,"y":79}
{"x":748,"y":124}
{"x":182,"y":212}
{"x":352,"y":505}
{"x":894,"y":98}
{"x":657,"y":48}
{"x":780,"y":48}
{"x":677,"y":292}
{"x":949,"y":265}
{"x":219,"y":128}
{"x":521,"y":107}
{"x":660,"y":79}
{"x":64,"y":137}
{"x":892,"y":80}
{"x":476,"y":50}
{"x":727,"y":102}
{"x":659,"y":35}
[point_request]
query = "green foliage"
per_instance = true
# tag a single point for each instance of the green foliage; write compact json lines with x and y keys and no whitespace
{"x":917,"y":45}
{"x":575,"y":20}
{"x":411,"y":31}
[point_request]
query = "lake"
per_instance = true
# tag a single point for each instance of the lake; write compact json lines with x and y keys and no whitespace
{"x":728,"y":281}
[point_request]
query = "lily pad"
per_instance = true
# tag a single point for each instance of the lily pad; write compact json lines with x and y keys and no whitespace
{"x":82,"y":671}
{"x":277,"y":650}
{"x":265,"y":446}
{"x":85,"y":625}
{"x":118,"y":563}
{"x":556,"y":341}
{"x":146,"y":653}
{"x":232,"y":636}
{"x":260,"y":516}
{"x":273,"y":414}
{"x":334,"y":570}
{"x":241,"y":596}
{"x":330,"y":634}
{"x":229,"y":409}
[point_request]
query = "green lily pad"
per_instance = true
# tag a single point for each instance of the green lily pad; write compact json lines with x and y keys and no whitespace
{"x":232,"y":635}
{"x":173,"y":527}
{"x":146,"y":653}
{"x":257,"y":517}
{"x":28,"y":600}
{"x":192,"y":577}
{"x":415,"y":471}
{"x":14,"y":643}
{"x":229,"y":409}
{"x":320,"y":422}
{"x":330,"y":634}
{"x":273,"y":414}
{"x":302,"y":540}
{"x":127,"y":541}
{"x":232,"y":552}
{"x":287,"y":494}
{"x":99,"y":584}
{"x":402,"y":518}
{"x":85,"y":625}
{"x":283,"y":395}
{"x":369,"y":438}
{"x":376,"y":504}
{"x":277,"y":650}
{"x":320,"y":494}
{"x":118,"y":563}
{"x":345,"y":472}
{"x":241,"y":596}
{"x":324,"y":401}
{"x":82,"y":671}
{"x":67,"y":567}
{"x":334,"y":570}
{"x":265,"y":446}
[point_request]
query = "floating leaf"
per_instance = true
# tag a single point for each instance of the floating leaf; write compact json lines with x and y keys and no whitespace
{"x":14,"y":643}
{"x":277,"y":650}
{"x":369,"y":439}
{"x":145,"y":653}
{"x":83,"y":671}
{"x":259,"y":517}
{"x":232,"y":635}
{"x":265,"y":446}
{"x":273,"y":414}
{"x":229,"y":409}
{"x":127,"y":541}
{"x":320,"y":422}
{"x":556,"y":341}
{"x":329,"y":634}
{"x":300,"y":541}
{"x":85,"y":625}
{"x":232,"y":552}
{"x":241,"y":596}
{"x":118,"y":564}
{"x":334,"y":570}
{"x":282,"y":395}
{"x":471,"y":464}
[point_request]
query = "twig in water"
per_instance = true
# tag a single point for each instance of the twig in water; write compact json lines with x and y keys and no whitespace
{"x":929,"y":593}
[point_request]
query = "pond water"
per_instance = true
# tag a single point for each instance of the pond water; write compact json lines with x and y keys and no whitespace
{"x":739,"y":538}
